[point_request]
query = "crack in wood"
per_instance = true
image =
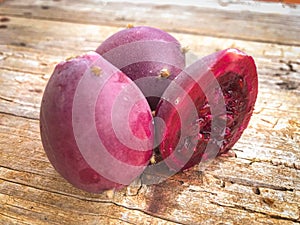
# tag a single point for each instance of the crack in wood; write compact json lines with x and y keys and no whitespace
{"x":33,"y":105}
{"x":78,"y":212}
{"x":94,"y":200}
{"x":135,"y":187}
{"x":21,"y":71}
{"x":6,"y":99}
{"x":21,"y":116}
{"x":202,"y":191}
{"x":22,"y":171}
{"x":253,"y":211}
{"x":151,"y":214}
{"x":287,"y":82}
{"x":15,"y":219}
{"x":250,"y":183}
{"x":22,"y":136}
{"x":273,"y":162}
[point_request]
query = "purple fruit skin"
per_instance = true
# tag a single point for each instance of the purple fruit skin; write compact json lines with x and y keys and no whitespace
{"x":57,"y":130}
{"x":174,"y":60}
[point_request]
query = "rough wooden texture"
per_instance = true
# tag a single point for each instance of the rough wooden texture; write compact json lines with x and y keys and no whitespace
{"x":227,"y":19}
{"x":260,"y":186}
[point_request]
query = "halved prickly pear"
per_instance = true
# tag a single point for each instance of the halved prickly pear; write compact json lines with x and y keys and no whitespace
{"x":207,"y":108}
{"x":96,"y":125}
{"x":147,"y":55}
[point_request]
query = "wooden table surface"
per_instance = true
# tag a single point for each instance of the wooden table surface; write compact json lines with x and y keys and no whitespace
{"x":260,"y":186}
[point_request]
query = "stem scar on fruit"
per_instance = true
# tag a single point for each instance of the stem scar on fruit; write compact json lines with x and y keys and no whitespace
{"x":185,"y":49}
{"x":71,"y":57}
{"x":152,"y":159}
{"x":129,"y":25}
{"x":164,"y":73}
{"x":96,"y":70}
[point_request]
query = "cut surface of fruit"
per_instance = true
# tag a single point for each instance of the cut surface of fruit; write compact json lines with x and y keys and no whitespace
{"x":223,"y":89}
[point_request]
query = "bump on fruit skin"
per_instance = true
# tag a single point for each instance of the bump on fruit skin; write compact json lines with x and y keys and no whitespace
{"x":236,"y":73}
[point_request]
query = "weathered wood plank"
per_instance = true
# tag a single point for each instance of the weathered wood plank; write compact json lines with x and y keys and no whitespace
{"x":31,"y":66}
{"x":261,"y":185}
{"x":51,"y":208}
{"x":41,"y":37}
{"x":191,"y":202}
{"x":228,"y":183}
{"x":234,"y":20}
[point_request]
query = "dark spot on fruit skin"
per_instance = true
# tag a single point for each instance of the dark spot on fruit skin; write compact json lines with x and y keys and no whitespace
{"x":89,"y":176}
{"x":122,"y":78}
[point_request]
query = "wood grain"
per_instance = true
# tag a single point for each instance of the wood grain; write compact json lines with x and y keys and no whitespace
{"x":261,"y":185}
{"x":216,"y":18}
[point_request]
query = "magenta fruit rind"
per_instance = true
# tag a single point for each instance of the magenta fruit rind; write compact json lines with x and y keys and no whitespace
{"x":172,"y":97}
{"x":223,"y":65}
{"x":70,"y":125}
{"x":96,"y":125}
{"x":142,"y":52}
{"x":103,"y":160}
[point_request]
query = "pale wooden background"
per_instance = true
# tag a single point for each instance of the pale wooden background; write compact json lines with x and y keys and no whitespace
{"x":260,"y":186}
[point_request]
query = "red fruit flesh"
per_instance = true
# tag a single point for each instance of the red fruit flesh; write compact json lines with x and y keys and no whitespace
{"x":145,"y":52}
{"x":187,"y":139}
{"x":83,"y":104}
